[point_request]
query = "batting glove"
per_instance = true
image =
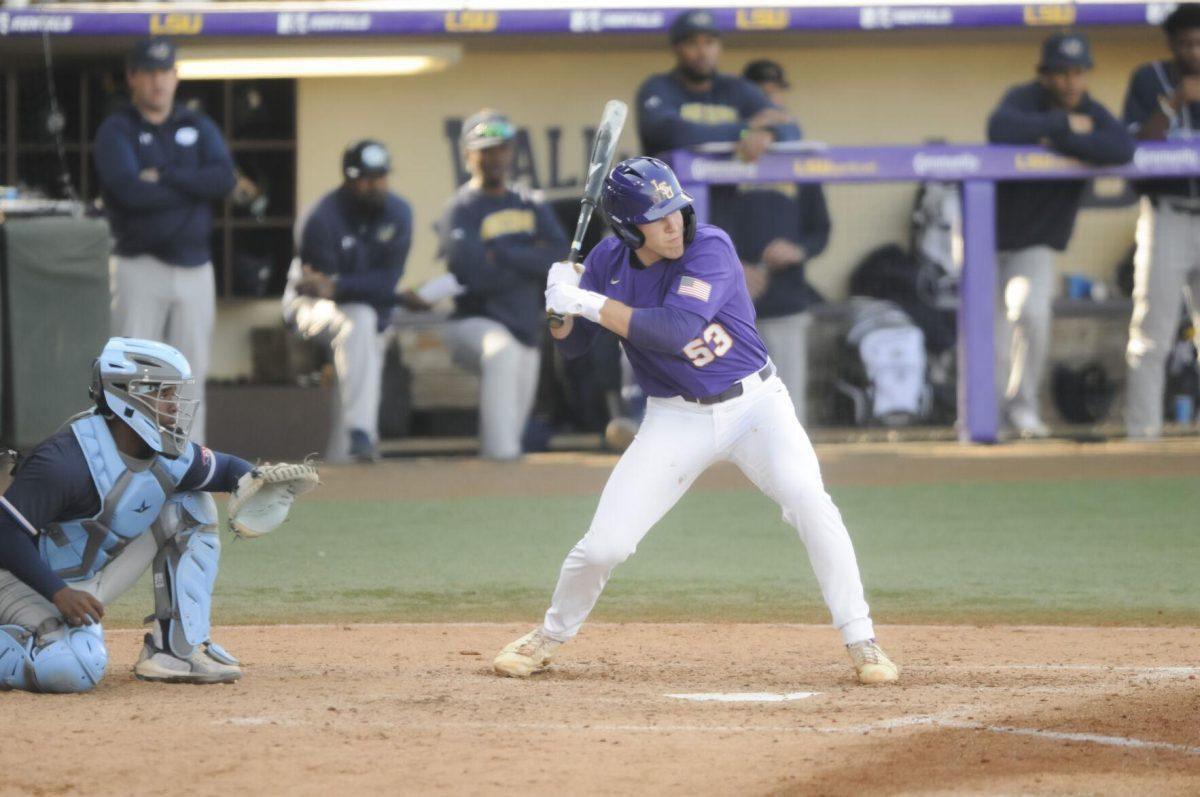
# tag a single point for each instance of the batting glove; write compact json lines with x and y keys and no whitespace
{"x":564,"y":273}
{"x":569,"y":300}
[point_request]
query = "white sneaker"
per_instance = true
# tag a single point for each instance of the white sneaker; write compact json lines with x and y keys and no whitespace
{"x":527,"y":655}
{"x":871,"y":664}
{"x":202,"y":667}
{"x":1027,"y":424}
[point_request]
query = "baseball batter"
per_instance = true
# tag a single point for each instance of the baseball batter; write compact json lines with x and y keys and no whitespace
{"x":673,"y":291}
{"x":118,"y":489}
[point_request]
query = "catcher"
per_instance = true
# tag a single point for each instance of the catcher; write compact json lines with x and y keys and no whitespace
{"x":118,"y":489}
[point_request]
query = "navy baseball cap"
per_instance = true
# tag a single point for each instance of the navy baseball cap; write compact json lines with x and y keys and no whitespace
{"x":693,"y":23}
{"x":1065,"y":51}
{"x":366,"y":158}
{"x":765,"y":71}
{"x":150,"y":55}
{"x":486,"y":129}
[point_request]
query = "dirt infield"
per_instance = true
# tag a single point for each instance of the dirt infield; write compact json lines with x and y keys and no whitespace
{"x":406,"y":709}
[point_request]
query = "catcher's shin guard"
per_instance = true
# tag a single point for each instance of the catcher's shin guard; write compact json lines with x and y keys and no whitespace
{"x":185,"y":570}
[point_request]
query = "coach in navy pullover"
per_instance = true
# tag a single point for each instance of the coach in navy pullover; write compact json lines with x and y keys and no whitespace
{"x":500,"y":246}
{"x":694,"y":104}
{"x":159,"y":182}
{"x":1043,"y":212}
{"x":362,"y":243}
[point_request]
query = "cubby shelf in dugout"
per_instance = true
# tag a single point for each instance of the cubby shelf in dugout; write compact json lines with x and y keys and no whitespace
{"x":252,"y":241}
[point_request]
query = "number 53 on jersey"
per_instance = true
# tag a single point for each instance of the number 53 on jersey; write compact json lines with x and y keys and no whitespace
{"x":713,"y":342}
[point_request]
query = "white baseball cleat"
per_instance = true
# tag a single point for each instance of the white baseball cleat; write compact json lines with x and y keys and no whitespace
{"x":527,"y":655}
{"x":872,"y":664}
{"x":202,"y":667}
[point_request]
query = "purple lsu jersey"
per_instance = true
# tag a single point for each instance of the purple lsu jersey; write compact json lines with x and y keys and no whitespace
{"x":707,"y":281}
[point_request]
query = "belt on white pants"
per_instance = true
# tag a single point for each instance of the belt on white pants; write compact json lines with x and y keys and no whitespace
{"x":736,"y":389}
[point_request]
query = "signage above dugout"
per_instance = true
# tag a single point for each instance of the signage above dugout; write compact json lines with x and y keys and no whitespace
{"x":465,"y":19}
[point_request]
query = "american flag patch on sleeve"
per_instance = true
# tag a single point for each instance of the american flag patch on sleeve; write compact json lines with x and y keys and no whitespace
{"x":697,"y":289}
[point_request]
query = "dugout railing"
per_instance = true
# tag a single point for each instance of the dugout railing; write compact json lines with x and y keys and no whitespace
{"x":977,"y":168}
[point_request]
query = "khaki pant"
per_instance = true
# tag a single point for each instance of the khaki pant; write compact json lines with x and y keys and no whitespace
{"x":508,"y":378}
{"x":1023,"y":340}
{"x":787,"y":343}
{"x":351,"y":331}
{"x":173,"y":304}
{"x":1166,"y":271}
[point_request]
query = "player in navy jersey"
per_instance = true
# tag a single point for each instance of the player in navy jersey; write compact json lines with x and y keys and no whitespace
{"x":673,"y":291}
{"x":118,"y":489}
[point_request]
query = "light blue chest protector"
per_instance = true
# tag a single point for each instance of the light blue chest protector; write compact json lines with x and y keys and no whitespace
{"x":130,"y":501}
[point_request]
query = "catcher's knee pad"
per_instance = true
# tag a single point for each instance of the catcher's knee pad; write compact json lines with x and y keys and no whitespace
{"x":74,"y":662}
{"x":185,"y":570}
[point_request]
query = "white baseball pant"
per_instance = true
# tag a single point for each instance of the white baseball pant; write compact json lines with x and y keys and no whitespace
{"x":1166,"y":271}
{"x":173,"y":304}
{"x":1027,"y":293}
{"x":787,"y":340}
{"x":508,"y":379}
{"x":678,"y":440}
{"x":351,"y":331}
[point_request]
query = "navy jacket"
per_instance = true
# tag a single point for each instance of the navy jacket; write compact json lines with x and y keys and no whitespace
{"x":672,"y":117}
{"x":795,"y":212}
{"x":1043,"y":213}
{"x":172,"y":218}
{"x":1148,"y":83}
{"x":500,"y":249}
{"x":367,"y":251}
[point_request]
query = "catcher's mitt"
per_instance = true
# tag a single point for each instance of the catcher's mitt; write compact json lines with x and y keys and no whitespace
{"x":263,"y":496}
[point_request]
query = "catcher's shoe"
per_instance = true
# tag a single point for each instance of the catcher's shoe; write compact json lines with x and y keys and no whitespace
{"x":208,"y":664}
{"x":872,"y":664}
{"x":527,"y":655}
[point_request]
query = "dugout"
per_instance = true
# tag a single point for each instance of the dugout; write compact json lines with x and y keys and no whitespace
{"x":861,"y":75}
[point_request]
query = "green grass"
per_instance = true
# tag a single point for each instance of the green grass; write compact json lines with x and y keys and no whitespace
{"x":1088,"y":552}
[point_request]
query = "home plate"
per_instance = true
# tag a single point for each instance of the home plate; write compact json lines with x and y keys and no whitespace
{"x":744,"y":697}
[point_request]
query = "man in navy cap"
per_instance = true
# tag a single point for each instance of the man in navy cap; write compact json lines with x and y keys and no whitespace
{"x":161,"y":168}
{"x":695,"y":104}
{"x":1035,"y":219}
{"x":778,"y":229}
{"x":342,"y":287}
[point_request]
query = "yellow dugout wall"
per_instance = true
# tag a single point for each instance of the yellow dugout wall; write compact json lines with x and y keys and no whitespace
{"x":879,"y":88}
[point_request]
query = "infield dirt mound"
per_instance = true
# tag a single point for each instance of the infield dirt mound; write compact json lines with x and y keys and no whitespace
{"x":408,"y":709}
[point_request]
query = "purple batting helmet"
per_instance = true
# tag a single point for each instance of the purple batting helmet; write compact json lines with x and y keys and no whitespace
{"x":642,"y":190}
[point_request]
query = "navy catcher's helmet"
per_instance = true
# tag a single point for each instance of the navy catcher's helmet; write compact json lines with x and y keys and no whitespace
{"x":642,"y":190}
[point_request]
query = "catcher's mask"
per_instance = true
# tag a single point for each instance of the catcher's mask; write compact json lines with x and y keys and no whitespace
{"x":149,"y":387}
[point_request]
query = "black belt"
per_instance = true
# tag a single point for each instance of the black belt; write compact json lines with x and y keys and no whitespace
{"x":733,"y":391}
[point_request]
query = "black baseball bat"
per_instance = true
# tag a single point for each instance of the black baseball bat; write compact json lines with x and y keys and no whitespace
{"x":605,"y":146}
